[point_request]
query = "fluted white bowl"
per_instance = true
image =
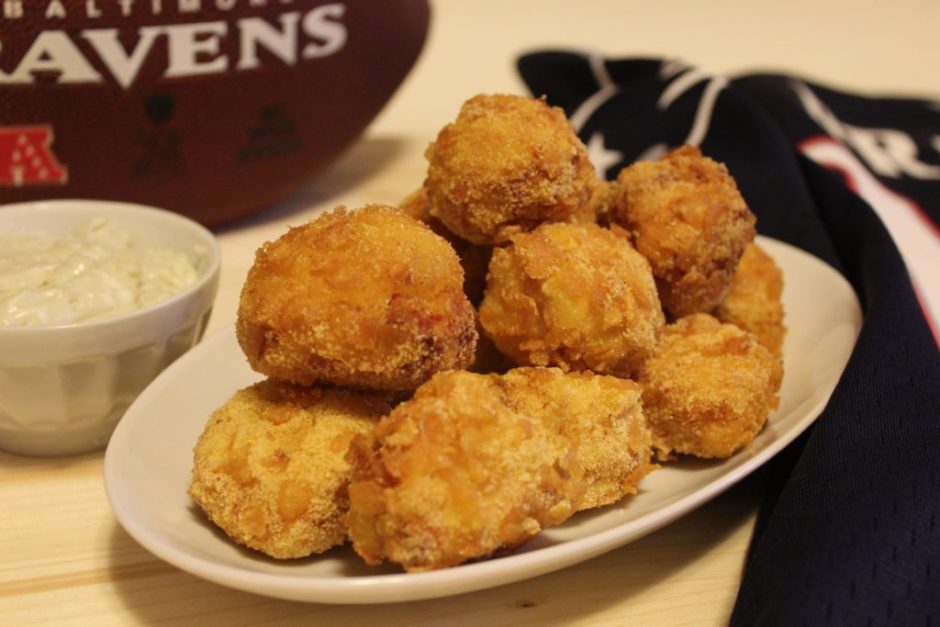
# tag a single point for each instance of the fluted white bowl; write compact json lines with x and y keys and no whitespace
{"x":64,"y":388}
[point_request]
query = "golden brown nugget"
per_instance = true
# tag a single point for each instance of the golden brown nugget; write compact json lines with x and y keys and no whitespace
{"x":576,"y":296}
{"x":456,"y":474}
{"x":505,"y":165}
{"x":370,"y":298}
{"x":601,"y":204}
{"x":754,"y":302}
{"x":270,"y":467}
{"x":689,"y":220}
{"x":601,"y":415}
{"x":474,"y":258}
{"x":709,"y":388}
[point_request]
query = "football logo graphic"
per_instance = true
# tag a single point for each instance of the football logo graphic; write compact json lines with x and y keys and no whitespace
{"x":27,"y":159}
{"x":212,"y":108}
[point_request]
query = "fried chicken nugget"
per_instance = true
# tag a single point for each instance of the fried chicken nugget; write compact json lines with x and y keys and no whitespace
{"x":270,"y":466}
{"x":370,"y":298}
{"x":474,"y":258}
{"x":505,"y":165}
{"x":601,"y":415}
{"x":709,"y":388}
{"x":754,"y":303}
{"x":456,"y":474}
{"x":601,"y":204}
{"x":689,"y":220}
{"x":577,"y":296}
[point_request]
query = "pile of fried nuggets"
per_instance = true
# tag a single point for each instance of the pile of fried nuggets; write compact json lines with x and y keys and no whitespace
{"x":434,"y":407}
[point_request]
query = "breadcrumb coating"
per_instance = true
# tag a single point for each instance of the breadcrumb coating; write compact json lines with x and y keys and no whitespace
{"x":270,"y":467}
{"x":369,"y":298}
{"x":600,"y":206}
{"x":456,"y":474}
{"x":520,"y":414}
{"x":474,"y":258}
{"x":602,"y":416}
{"x":505,"y":165}
{"x":709,"y":388}
{"x":478,"y":463}
{"x":576,"y":296}
{"x":753,"y":303}
{"x":689,"y":220}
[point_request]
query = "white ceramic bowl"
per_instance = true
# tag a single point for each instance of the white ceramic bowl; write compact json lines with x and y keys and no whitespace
{"x":64,"y":388}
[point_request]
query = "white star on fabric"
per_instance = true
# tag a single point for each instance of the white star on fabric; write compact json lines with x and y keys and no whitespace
{"x":600,"y":156}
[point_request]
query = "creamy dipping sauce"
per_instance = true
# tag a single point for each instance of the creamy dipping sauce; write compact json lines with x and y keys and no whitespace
{"x":95,"y":271}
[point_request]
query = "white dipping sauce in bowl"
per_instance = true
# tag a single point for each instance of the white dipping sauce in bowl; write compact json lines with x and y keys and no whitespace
{"x":96,"y":270}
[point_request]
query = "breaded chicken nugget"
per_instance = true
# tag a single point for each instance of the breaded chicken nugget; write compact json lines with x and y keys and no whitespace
{"x":753,"y":303}
{"x":601,"y":415}
{"x":456,"y":474}
{"x":370,"y":298}
{"x":577,"y":296}
{"x":474,"y":258}
{"x":709,"y":388}
{"x":505,"y":165}
{"x":601,"y":204}
{"x":689,"y":220}
{"x":270,"y":467}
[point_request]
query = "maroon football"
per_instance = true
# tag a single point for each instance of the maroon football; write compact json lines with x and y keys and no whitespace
{"x":212,"y":108}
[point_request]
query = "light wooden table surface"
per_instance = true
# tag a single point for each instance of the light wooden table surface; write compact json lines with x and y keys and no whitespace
{"x":65,"y":560}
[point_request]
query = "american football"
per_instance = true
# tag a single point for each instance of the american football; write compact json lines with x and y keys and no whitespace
{"x":212,"y":108}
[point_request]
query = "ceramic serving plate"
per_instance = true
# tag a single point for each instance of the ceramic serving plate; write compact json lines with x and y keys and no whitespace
{"x":149,"y":461}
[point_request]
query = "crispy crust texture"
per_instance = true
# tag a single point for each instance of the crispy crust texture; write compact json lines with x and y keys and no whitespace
{"x":754,"y":303}
{"x":689,"y":220}
{"x":456,"y":474}
{"x":270,"y":467}
{"x":709,"y":388}
{"x":505,"y":165}
{"x":576,"y":296}
{"x":474,"y":258}
{"x":621,"y":324}
{"x":474,"y":464}
{"x":370,"y":298}
{"x":601,"y":415}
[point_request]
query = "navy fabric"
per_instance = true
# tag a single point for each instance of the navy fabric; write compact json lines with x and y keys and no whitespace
{"x":849,"y":531}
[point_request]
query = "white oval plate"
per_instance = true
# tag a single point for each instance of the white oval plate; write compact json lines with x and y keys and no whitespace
{"x":149,"y":460}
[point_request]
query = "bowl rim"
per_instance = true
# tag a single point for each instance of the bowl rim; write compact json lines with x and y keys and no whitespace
{"x":209,"y":274}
